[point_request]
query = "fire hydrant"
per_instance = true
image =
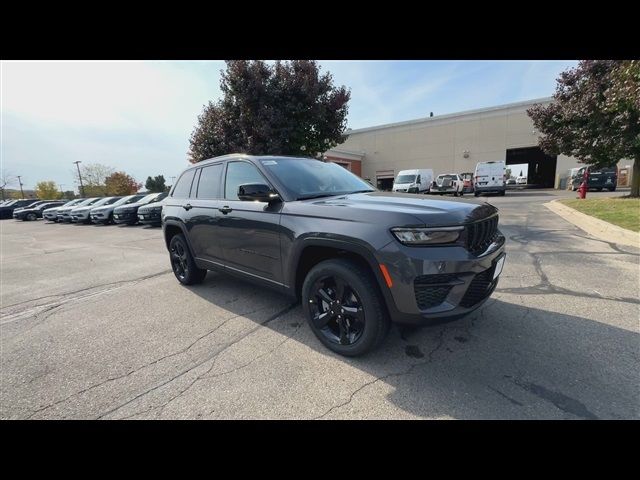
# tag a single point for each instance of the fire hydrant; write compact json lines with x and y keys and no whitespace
{"x":582,"y":190}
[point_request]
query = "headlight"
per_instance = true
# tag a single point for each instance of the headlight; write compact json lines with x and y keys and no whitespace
{"x":427,"y":236}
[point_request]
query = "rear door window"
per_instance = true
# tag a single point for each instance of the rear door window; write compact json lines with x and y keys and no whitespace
{"x":209,"y":184}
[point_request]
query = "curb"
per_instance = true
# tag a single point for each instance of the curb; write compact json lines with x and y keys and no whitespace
{"x":594,"y":226}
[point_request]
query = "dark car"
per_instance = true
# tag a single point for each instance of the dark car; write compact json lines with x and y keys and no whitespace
{"x":151,"y":214}
{"x":129,"y":213}
{"x":356,"y":257}
{"x":6,"y":210}
{"x":598,"y":179}
{"x":35,"y":212}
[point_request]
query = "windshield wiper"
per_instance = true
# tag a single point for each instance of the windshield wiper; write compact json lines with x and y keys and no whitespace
{"x":360,"y":191}
{"x":318,"y":195}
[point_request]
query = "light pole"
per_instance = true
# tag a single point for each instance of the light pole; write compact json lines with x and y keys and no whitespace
{"x":61,"y":190}
{"x":20,"y":182}
{"x":80,"y":178}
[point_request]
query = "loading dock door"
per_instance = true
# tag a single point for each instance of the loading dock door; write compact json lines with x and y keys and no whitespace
{"x":384,"y":179}
{"x":542,"y":167}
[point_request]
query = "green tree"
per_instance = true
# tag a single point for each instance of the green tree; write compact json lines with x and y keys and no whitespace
{"x":288,"y":108}
{"x":48,"y":190}
{"x":595,"y":115}
{"x":156,"y":184}
{"x":119,"y":183}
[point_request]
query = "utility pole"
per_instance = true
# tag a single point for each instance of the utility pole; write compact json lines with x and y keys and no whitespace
{"x":80,"y":178}
{"x":61,"y":190}
{"x":20,"y":182}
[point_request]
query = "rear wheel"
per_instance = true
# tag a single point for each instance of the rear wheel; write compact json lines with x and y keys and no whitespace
{"x":344,"y":307}
{"x":182,"y":262}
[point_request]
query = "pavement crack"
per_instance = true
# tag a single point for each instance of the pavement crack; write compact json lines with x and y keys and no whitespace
{"x":213,"y":357}
{"x":408,"y":371}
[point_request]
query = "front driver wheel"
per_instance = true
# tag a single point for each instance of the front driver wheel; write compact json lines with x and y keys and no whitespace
{"x":182,"y":262}
{"x":344,"y":307}
{"x":31,"y":217}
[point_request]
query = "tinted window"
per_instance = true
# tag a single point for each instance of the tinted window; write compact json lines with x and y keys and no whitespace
{"x":239,"y":173}
{"x":183,"y":186}
{"x":209,"y":185}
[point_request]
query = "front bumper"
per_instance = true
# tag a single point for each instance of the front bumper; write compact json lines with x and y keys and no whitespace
{"x":435,"y":284}
{"x":80,"y":217}
{"x":150,"y":218}
{"x":126,"y":217}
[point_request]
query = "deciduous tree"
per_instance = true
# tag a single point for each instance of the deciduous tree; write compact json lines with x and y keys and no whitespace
{"x":595,"y":115}
{"x":48,"y":190}
{"x":119,"y":183}
{"x":288,"y":108}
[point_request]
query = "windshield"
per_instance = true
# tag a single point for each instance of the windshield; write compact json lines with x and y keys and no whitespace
{"x":127,"y":200}
{"x":72,"y":203}
{"x":405,"y":179}
{"x":441,"y":177}
{"x":154,"y":197}
{"x":308,"y":178}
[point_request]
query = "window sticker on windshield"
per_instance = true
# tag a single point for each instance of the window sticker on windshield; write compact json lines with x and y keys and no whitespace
{"x":269,"y":162}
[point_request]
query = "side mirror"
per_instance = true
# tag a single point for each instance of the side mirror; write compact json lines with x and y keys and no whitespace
{"x":257,"y":192}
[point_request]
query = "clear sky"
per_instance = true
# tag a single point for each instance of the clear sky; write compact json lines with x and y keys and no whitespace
{"x":137,"y":116}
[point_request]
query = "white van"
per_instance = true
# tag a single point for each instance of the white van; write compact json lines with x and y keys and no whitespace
{"x":490,"y":177}
{"x":418,"y":180}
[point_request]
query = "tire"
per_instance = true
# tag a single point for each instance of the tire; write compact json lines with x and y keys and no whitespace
{"x":31,"y":217}
{"x":599,"y":189}
{"x":462,"y":193}
{"x":182,"y":262}
{"x":503,"y":193}
{"x":366,"y":328}
{"x":612,"y":189}
{"x":455,"y":194}
{"x":476,"y":193}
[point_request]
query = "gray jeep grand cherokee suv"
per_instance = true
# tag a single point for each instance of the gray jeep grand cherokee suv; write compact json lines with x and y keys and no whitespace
{"x":356,"y":257}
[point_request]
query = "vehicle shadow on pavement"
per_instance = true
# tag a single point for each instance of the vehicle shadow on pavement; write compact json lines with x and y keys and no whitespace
{"x":504,"y":361}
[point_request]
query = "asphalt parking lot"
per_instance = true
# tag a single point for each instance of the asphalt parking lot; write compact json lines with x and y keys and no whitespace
{"x":95,"y":326}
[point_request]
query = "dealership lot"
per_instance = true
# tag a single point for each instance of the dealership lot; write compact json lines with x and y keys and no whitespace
{"x":94,"y":325}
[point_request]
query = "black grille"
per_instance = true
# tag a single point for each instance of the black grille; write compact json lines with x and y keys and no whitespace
{"x":432,"y":290}
{"x":480,"y":288}
{"x":481,"y":234}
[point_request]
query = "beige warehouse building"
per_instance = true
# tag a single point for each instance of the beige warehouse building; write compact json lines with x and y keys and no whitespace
{"x":455,"y":143}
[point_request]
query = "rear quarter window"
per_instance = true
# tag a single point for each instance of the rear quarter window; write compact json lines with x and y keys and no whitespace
{"x":183,"y":185}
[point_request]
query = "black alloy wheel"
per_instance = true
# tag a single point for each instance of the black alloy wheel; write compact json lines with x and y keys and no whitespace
{"x":344,"y":306}
{"x":183,"y":264}
{"x":32,"y":216}
{"x":337,"y":311}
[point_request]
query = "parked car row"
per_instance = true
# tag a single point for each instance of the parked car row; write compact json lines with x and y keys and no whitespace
{"x":131,"y":209}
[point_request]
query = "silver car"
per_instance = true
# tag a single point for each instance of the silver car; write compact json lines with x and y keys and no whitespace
{"x":51,"y":214}
{"x":64,"y":213}
{"x":104,"y":213}
{"x":81,"y":213}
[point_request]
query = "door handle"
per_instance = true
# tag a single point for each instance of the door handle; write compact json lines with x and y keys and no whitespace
{"x":226,"y":209}
{"x":187,"y":206}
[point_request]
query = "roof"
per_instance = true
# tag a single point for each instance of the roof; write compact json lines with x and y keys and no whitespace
{"x":452,"y":115}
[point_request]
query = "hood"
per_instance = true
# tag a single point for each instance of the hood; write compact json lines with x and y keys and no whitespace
{"x":395,"y":209}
